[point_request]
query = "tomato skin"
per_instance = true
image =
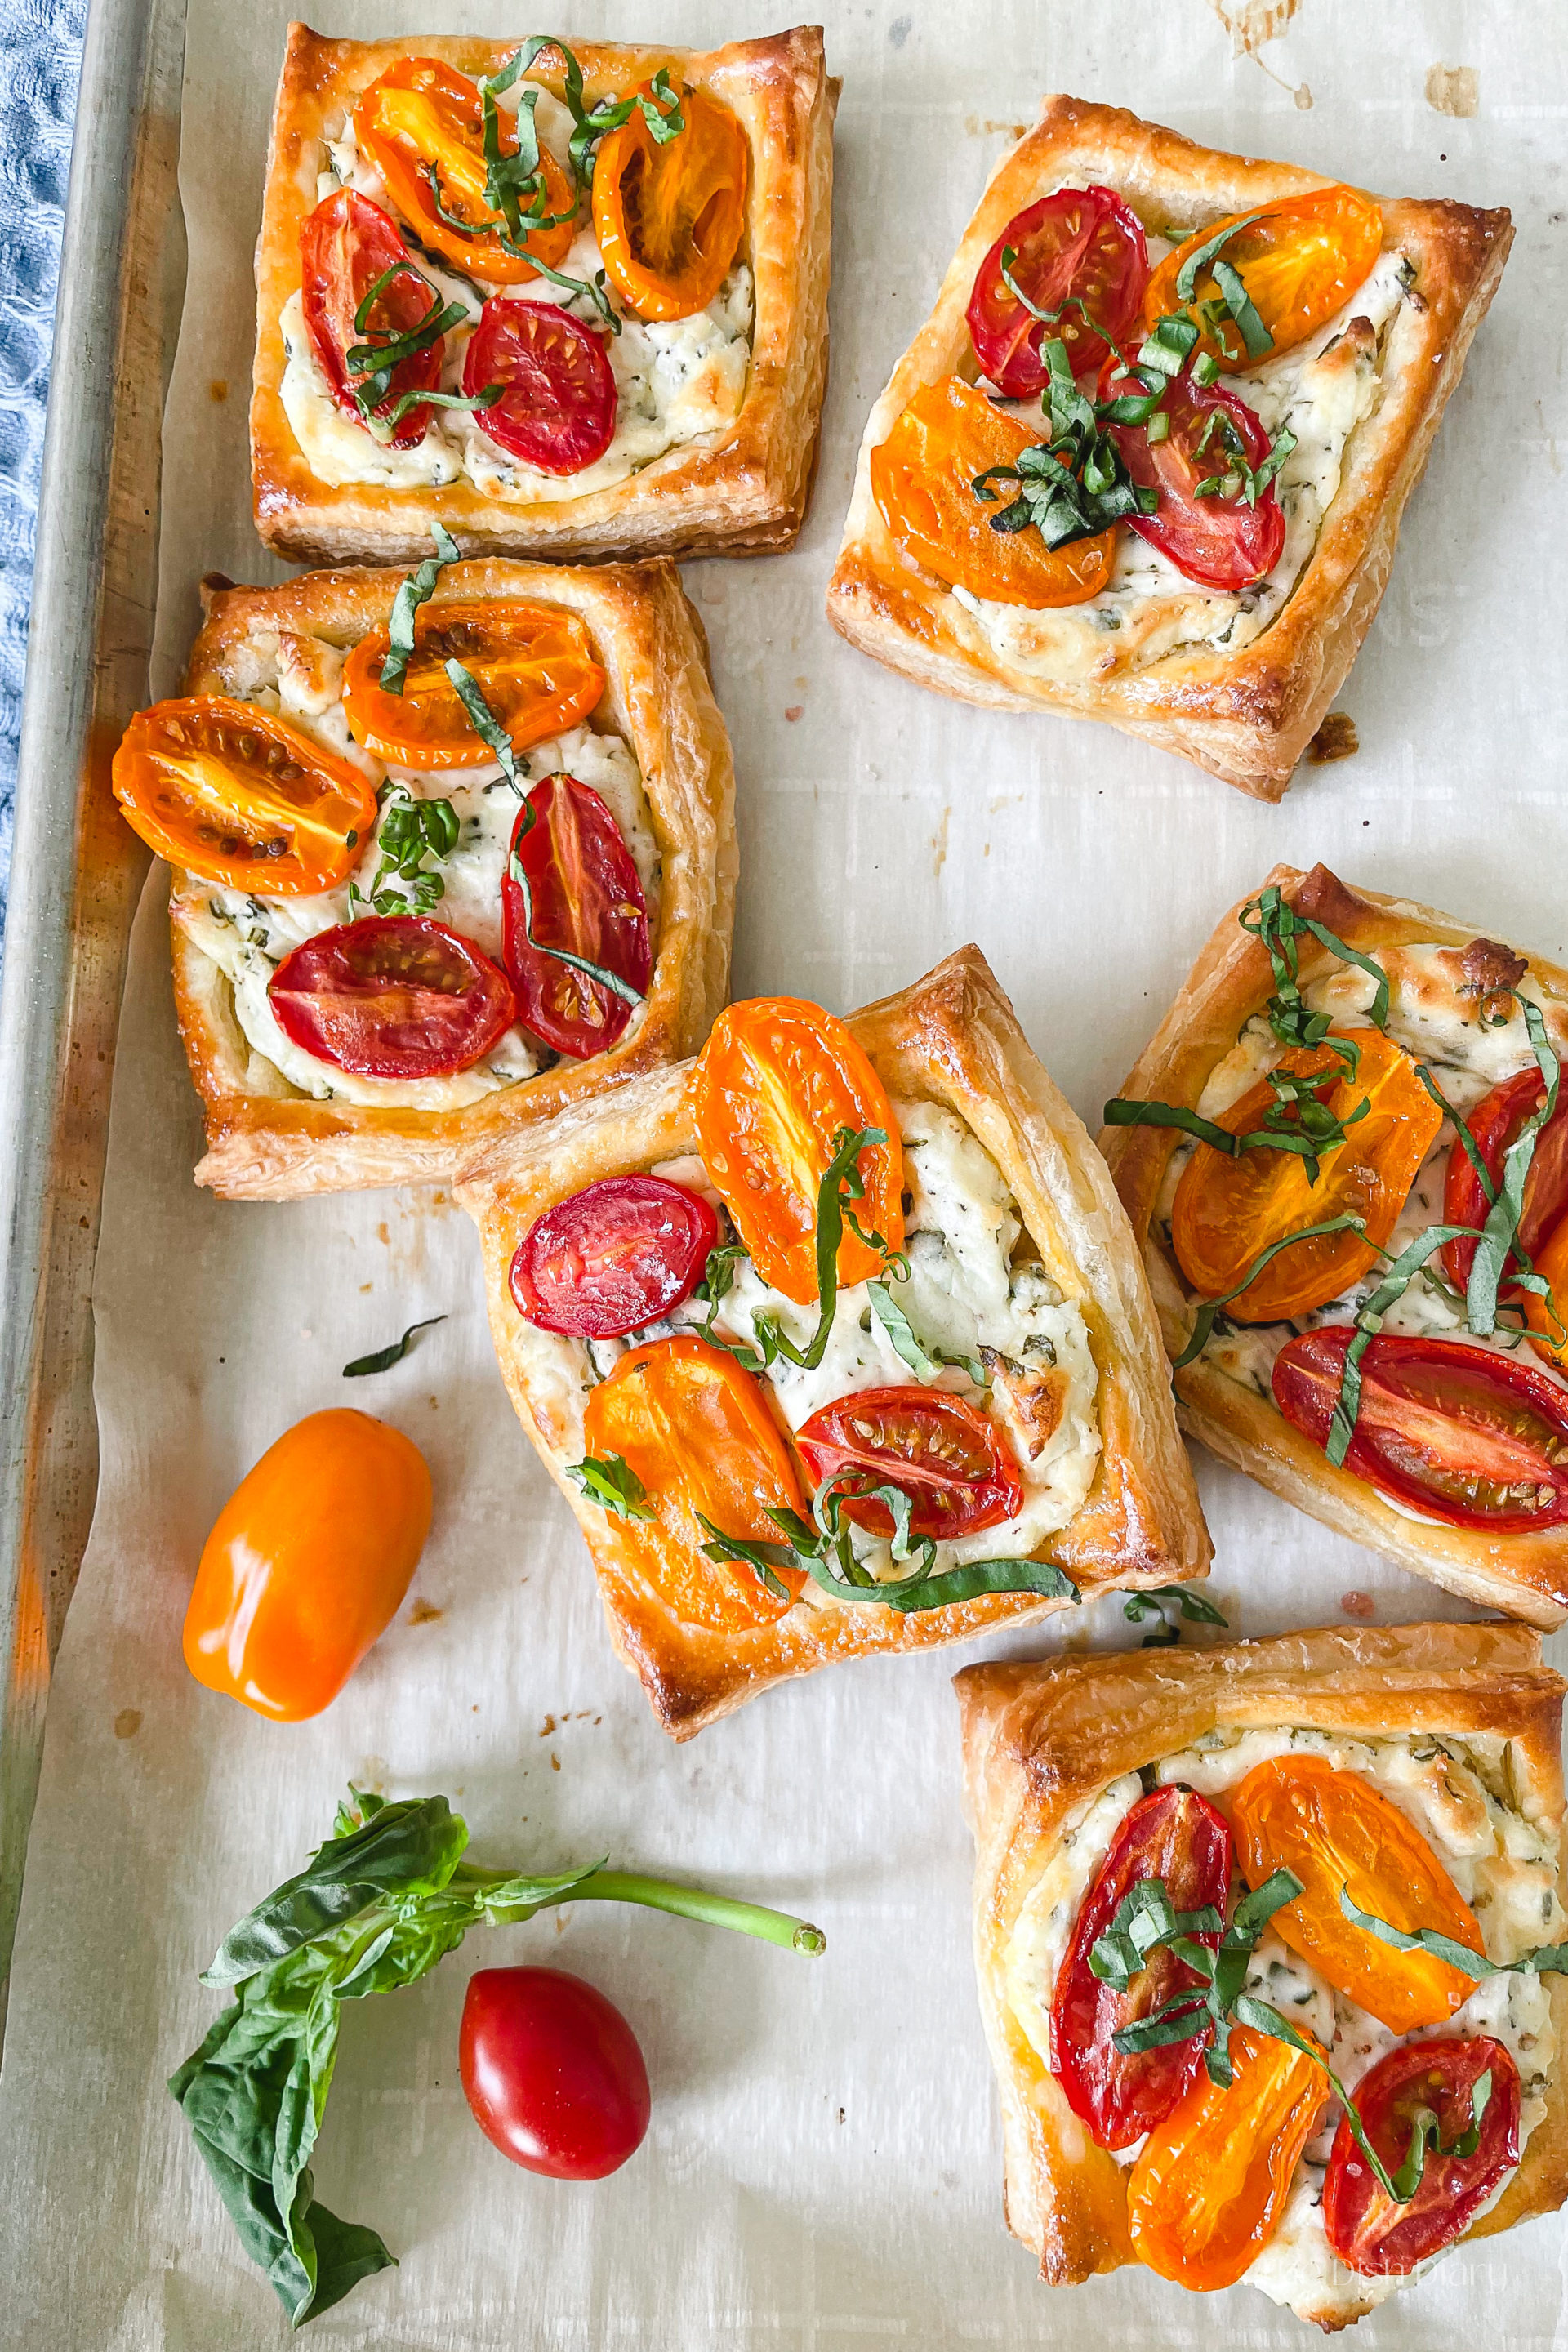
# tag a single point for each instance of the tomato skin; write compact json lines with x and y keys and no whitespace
{"x":1300,"y":260}
{"x":534,"y":664}
{"x":948,"y":1458}
{"x":1220,"y":543}
{"x":280,"y":817}
{"x":422,"y":112}
{"x":1429,"y":1407}
{"x":307,"y":1564}
{"x":558,"y":411}
{"x":344,"y":247}
{"x":588,"y":899}
{"x":392,"y":996}
{"x":1081,"y":241}
{"x":1494,"y":1123}
{"x":669,"y":219}
{"x":1548,"y":1317}
{"x":553,"y":2073}
{"x":1367,"y":2232}
{"x":1174,"y":1834}
{"x":613,"y":1257}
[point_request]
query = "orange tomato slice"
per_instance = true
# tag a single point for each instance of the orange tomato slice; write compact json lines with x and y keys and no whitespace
{"x":1209,"y":2186}
{"x":226,"y":791}
{"x":1300,"y":260}
{"x":668,"y":218}
{"x":696,"y":1430}
{"x":534,"y":665}
{"x":776,"y":1082}
{"x":1548,"y":1317}
{"x":922,"y":479}
{"x":1227,"y":1211}
{"x":1333,"y":1830}
{"x":421,"y":117}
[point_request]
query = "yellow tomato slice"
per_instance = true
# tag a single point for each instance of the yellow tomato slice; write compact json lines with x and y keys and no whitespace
{"x":1300,"y":260}
{"x":534,"y":662}
{"x":669,"y":217}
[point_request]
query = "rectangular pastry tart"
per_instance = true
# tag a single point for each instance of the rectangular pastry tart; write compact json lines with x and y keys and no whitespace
{"x":837,"y":1341}
{"x":1147,"y":458}
{"x":1268,"y":1942}
{"x":1345,"y":1155}
{"x":568,"y":300}
{"x":440,"y":868}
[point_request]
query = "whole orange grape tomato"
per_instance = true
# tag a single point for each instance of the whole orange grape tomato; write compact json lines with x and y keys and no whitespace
{"x":307,"y":1564}
{"x":922,"y":479}
{"x":534,"y":665}
{"x":226,"y":791}
{"x":696,"y":1430}
{"x":421,"y":124}
{"x":1298,"y":260}
{"x":773,"y":1086}
{"x":1334,"y":1830}
{"x":1208,"y":2189}
{"x":1228,"y":1211}
{"x":669,"y":217}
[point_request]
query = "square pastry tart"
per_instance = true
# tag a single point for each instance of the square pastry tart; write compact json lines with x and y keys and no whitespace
{"x":604,"y":266}
{"x":397,"y":933}
{"x":1234,"y":1907}
{"x":1146,"y":459}
{"x":837,"y":1341}
{"x":1345,"y":1154}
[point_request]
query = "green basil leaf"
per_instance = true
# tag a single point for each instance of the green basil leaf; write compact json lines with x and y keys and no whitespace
{"x":1207,"y":1309}
{"x":1194,"y":1606}
{"x":384,"y":1358}
{"x":1188,"y":276}
{"x":765,"y":1559}
{"x":1263,"y":2018}
{"x":1501,"y":1227}
{"x":1243,"y":310}
{"x":611,"y":1482}
{"x":415,"y":590}
{"x":1368,"y":1319}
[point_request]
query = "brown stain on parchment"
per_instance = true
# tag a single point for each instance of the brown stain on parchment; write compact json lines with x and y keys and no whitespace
{"x":1336,"y":739}
{"x":1453,"y":90}
{"x":1251,"y":23}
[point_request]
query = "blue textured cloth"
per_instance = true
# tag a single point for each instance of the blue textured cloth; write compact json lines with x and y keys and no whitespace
{"x":40,"y":58}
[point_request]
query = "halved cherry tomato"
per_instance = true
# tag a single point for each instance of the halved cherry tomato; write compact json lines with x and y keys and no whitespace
{"x":1300,"y":260}
{"x":1494,"y":1122}
{"x":1463,"y":1435}
{"x":1334,"y":1830}
{"x":344,"y":247}
{"x":1219,"y":542}
{"x":668,"y":218}
{"x":1227,"y":1211}
{"x":1173,"y":1834}
{"x":1208,"y":2190}
{"x":588,"y":899}
{"x":226,"y":791}
{"x":775,"y":1083}
{"x":422,"y":122}
{"x":1083,"y":242}
{"x":534,"y":665}
{"x":553,"y":2073}
{"x":612,"y":1257}
{"x":1548,"y":1317}
{"x":558,"y":411}
{"x":1363,"y":2226}
{"x":922,"y":479}
{"x":392,"y":996}
{"x":307,"y":1564}
{"x":696,"y":1430}
{"x":948,"y":1458}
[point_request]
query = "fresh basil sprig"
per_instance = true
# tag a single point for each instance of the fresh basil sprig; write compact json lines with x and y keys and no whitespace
{"x":384,"y":1358}
{"x":611,"y":1482}
{"x":416,"y":589}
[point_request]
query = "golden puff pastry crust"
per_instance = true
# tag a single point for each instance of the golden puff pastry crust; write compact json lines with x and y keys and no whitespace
{"x":266,"y":1139}
{"x":952,"y":1039}
{"x":1041,"y":1740}
{"x":1524,"y":1574}
{"x":1247,"y":716}
{"x":738,"y":490}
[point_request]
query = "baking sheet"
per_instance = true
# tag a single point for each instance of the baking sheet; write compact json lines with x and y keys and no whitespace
{"x":823,"y":2168}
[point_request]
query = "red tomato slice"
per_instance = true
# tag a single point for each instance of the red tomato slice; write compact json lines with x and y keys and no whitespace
{"x":588,"y":899}
{"x":614,"y":1257}
{"x":344,"y":247}
{"x":949,"y":1459}
{"x":1494,"y":1122}
{"x":1218,"y":542}
{"x":1468,"y":1437}
{"x":1083,"y":242}
{"x":392,"y":996}
{"x":1178,"y":1836}
{"x":558,"y":411}
{"x":1364,"y":2227}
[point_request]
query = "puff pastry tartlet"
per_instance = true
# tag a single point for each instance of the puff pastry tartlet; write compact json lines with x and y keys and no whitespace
{"x":1218,"y":619}
{"x":633,"y":340}
{"x":1453,"y":1456}
{"x":1086,"y":1778}
{"x":985,"y":1356}
{"x":635,"y":766}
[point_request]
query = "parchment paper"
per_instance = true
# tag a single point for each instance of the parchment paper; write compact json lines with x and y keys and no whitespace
{"x":823,"y":2170}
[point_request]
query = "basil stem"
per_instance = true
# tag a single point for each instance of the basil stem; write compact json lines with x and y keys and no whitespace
{"x":415,"y":590}
{"x":384,"y":1358}
{"x":1207,"y":1309}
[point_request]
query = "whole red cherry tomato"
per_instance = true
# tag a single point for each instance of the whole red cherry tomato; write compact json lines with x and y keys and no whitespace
{"x":344,"y":247}
{"x":1494,"y":1122}
{"x":1378,"y":2238}
{"x":392,"y":996}
{"x":948,"y":1458}
{"x":553,"y":2073}
{"x":558,"y":410}
{"x":1219,"y":541}
{"x":588,"y":899}
{"x":1082,"y":243}
{"x":613,"y":1257}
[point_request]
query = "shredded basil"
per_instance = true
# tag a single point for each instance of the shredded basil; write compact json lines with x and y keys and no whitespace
{"x":926,"y":1363}
{"x":1153,"y":1599}
{"x":375,"y":363}
{"x":1544,"y":1961}
{"x":384,"y":1358}
{"x":1499,"y":1232}
{"x":485,"y":724}
{"x":1208,"y":1308}
{"x":1368,"y":1317}
{"x":411,"y":830}
{"x":1233,"y":293}
{"x":1075,"y":484}
{"x":417,"y":588}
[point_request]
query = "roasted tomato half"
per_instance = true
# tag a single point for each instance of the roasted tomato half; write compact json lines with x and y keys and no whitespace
{"x":1212,"y":533}
{"x":226,"y":791}
{"x":534,"y":664}
{"x":346,"y":245}
{"x":557,"y":413}
{"x":1494,"y":1123}
{"x":669,"y":217}
{"x":949,"y":1460}
{"x":1173,"y":1834}
{"x":571,"y":890}
{"x":1548,"y":1317}
{"x":392,"y":996}
{"x":1461,"y":1434}
{"x":1082,"y":245}
{"x":1438,"y":2079}
{"x":613,"y":1257}
{"x":1298,"y":260}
